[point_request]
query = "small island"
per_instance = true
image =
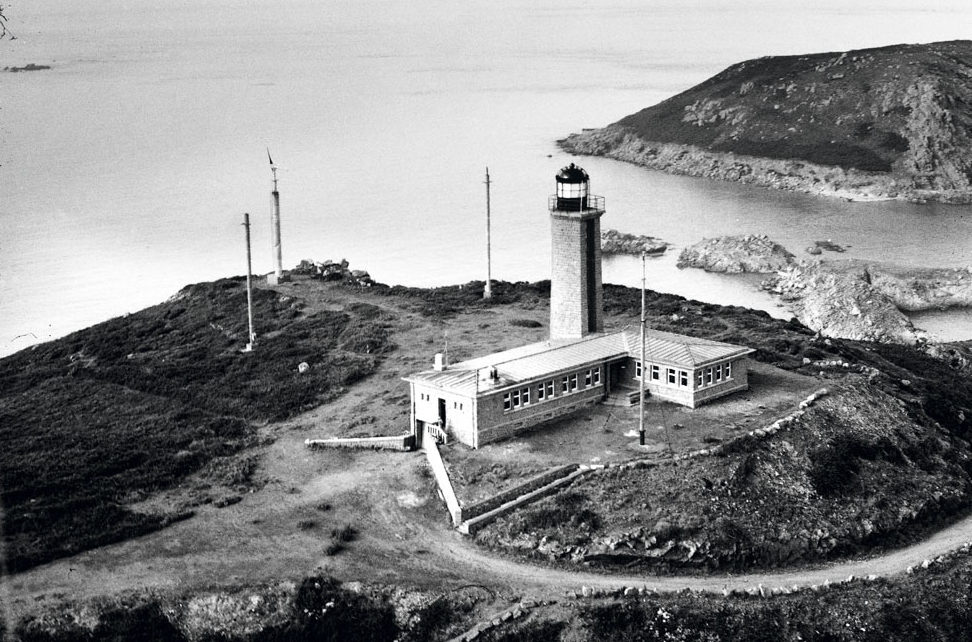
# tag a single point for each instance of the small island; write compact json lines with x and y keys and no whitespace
{"x":615,"y":242}
{"x":28,"y":67}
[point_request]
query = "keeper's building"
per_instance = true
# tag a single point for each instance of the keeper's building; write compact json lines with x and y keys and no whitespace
{"x":498,"y":395}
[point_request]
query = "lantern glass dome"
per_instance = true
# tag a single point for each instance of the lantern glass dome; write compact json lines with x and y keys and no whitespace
{"x":572,"y":188}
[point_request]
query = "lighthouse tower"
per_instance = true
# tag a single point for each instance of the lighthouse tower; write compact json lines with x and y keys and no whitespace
{"x":575,"y":281}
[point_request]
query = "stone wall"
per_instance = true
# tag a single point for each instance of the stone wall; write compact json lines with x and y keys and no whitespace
{"x":531,"y":484}
{"x":399,"y":442}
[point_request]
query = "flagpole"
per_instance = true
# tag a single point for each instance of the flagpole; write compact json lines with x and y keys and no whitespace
{"x":249,"y":285}
{"x":644,"y":366}
{"x":488,"y":292}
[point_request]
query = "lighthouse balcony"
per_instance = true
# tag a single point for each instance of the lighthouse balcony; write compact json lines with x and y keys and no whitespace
{"x":586,"y":204}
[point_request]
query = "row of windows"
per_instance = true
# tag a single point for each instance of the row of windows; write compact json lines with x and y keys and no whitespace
{"x":680,"y":378}
{"x":713,"y":375}
{"x":544,"y":390}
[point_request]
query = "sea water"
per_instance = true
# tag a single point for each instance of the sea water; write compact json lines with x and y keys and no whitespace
{"x":126,"y":168}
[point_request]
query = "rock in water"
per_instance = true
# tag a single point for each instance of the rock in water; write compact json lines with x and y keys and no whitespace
{"x":615,"y":242}
{"x":735,"y":254}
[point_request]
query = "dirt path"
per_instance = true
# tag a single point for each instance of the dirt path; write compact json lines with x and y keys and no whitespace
{"x":554,"y":580}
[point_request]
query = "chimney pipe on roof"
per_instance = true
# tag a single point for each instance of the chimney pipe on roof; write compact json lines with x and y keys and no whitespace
{"x":440,"y":363}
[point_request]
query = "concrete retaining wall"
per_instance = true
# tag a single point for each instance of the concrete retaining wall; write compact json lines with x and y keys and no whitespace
{"x":469,"y":527}
{"x":533,"y":483}
{"x":398,"y":442}
{"x":442,"y":479}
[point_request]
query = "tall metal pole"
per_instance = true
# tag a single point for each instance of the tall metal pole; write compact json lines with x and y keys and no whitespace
{"x":249,"y":285}
{"x":277,"y":252}
{"x":644,"y":366}
{"x":488,"y":292}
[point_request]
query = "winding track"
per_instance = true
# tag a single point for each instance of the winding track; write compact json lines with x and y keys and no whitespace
{"x":464,"y":552}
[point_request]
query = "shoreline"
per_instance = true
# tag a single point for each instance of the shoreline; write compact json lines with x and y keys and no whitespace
{"x":622,"y":144}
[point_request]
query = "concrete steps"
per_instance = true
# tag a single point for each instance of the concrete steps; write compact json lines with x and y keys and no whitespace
{"x":623,"y":397}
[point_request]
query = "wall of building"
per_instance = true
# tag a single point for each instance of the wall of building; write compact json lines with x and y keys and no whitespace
{"x":738,"y":382}
{"x":460,"y":411}
{"x":690,"y":395}
{"x":497,"y":423}
{"x":571,"y":266}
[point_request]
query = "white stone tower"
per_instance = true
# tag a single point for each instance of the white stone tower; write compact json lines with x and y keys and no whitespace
{"x":576,"y":296}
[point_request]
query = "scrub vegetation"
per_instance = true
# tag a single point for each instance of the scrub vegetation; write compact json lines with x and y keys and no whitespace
{"x":98,"y":420}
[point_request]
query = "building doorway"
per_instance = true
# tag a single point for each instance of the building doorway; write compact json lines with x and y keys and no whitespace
{"x":615,"y":374}
{"x":442,"y":413}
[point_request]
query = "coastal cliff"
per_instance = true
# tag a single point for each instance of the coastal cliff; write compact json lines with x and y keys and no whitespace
{"x":887,"y":123}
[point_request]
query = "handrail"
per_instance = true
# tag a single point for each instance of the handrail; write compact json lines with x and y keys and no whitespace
{"x":593,"y":204}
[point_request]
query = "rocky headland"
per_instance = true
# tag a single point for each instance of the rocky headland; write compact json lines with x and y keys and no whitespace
{"x":735,"y":254}
{"x":615,"y":242}
{"x":886,"y":123}
{"x":848,"y":299}
{"x":868,"y":301}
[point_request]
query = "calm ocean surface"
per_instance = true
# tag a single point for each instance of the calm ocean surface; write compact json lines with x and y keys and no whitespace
{"x":125,"y":170}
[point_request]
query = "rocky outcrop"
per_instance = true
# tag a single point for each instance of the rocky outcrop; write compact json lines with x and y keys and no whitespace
{"x":615,"y":242}
{"x":331,"y":271}
{"x":855,"y":300}
{"x":846,"y":298}
{"x":916,"y":289}
{"x":842,"y":303}
{"x":887,"y":123}
{"x":734,"y":254}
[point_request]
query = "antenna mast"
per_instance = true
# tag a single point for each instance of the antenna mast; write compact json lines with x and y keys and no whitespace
{"x":488,"y":292}
{"x":277,"y":276}
{"x":249,"y":285}
{"x":644,"y":366}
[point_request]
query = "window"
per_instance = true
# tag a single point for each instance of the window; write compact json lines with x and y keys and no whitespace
{"x":516,"y":398}
{"x":670,"y":372}
{"x":718,"y":372}
{"x":698,"y":379}
{"x":541,"y":391}
{"x":573,"y":382}
{"x":588,"y":378}
{"x":597,"y":375}
{"x":637,"y":370}
{"x":708,"y":376}
{"x":507,"y":402}
{"x":683,"y":378}
{"x":550,"y":388}
{"x":655,"y":373}
{"x":565,"y":385}
{"x":525,"y":396}
{"x":729,"y":370}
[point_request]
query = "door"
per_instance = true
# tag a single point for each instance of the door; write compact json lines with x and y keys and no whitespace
{"x":615,"y":374}
{"x":442,"y":413}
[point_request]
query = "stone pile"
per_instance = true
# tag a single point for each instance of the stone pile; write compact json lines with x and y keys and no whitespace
{"x":331,"y":271}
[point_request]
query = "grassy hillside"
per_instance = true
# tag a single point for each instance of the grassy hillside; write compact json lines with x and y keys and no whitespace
{"x":100,"y":419}
{"x":882,"y":458}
